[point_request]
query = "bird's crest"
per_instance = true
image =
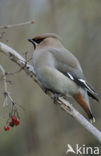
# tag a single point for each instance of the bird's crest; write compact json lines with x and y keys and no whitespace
{"x":41,"y":37}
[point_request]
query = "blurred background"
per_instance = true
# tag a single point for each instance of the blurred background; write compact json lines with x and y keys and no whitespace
{"x":45,"y":129}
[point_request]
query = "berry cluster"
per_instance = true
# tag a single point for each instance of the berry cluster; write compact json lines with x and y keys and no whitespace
{"x":14,"y":122}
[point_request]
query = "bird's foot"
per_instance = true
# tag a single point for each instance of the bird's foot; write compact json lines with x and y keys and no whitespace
{"x":46,"y":90}
{"x":56,"y":96}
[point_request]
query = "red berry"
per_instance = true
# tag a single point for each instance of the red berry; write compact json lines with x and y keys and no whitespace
{"x":17,"y":122}
{"x":6,"y":128}
{"x":14,"y":118}
{"x":11,"y":124}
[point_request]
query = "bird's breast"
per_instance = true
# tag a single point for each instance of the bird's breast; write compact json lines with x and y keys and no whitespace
{"x":43,"y":58}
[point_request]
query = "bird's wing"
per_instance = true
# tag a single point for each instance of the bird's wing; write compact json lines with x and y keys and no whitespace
{"x":68,"y":64}
{"x":66,"y":61}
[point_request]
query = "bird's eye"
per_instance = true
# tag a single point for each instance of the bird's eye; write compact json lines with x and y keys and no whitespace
{"x":39,"y":40}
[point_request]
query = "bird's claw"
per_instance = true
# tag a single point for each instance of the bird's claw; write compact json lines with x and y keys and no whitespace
{"x":46,"y":90}
{"x":56,"y":96}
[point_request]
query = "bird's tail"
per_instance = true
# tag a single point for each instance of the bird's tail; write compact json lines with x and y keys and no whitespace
{"x":82,"y":101}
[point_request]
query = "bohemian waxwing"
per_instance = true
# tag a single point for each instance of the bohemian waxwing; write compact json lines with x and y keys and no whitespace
{"x":59,"y":70}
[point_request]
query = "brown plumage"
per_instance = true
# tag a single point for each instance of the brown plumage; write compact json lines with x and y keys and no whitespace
{"x":80,"y":99}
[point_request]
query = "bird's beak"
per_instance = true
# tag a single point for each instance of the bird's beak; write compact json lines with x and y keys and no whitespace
{"x":33,"y":42}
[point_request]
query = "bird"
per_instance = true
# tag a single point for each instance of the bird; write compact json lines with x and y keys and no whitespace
{"x":59,"y":70}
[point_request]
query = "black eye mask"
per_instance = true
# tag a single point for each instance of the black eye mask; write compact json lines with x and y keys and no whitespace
{"x":38,"y":40}
{"x":35,"y":41}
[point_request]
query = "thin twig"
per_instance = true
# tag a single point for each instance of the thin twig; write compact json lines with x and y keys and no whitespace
{"x":16,"y":25}
{"x":5,"y":86}
{"x":4,"y":77}
{"x":1,"y":35}
{"x":6,"y":92}
{"x":65,"y":105}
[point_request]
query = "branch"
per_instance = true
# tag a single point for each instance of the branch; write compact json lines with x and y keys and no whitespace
{"x":65,"y":105}
{"x":6,"y":92}
{"x":16,"y":25}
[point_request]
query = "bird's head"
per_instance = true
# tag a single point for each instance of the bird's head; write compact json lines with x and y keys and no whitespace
{"x":37,"y":40}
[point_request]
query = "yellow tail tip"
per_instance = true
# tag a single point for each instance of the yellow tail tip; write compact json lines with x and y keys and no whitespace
{"x":92,"y":120}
